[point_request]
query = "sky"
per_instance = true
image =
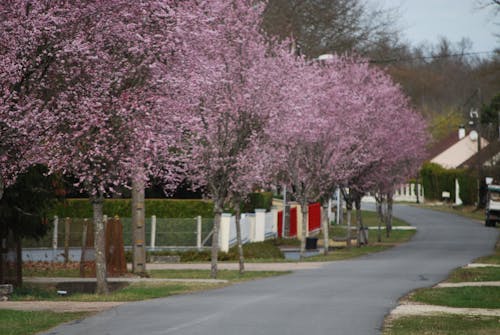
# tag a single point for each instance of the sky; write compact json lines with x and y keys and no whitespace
{"x":427,"y":20}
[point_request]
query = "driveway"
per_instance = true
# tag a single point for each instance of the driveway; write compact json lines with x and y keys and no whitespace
{"x":346,"y":297}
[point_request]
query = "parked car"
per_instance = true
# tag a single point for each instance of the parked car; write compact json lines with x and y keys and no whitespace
{"x":493,"y":206}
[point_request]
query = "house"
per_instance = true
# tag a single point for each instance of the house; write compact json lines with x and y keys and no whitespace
{"x":454,"y":151}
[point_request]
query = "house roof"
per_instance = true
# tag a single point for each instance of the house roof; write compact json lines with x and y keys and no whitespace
{"x":442,"y":145}
{"x":456,"y":151}
{"x":489,"y":155}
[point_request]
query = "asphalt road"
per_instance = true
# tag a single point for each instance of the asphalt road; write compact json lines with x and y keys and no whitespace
{"x":347,"y":297}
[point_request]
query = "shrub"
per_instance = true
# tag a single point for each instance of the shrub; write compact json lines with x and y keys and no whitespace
{"x":437,"y":179}
{"x":262,"y":200}
{"x":163,"y":208}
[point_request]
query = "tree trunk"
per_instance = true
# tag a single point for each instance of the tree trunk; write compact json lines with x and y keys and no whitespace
{"x":378,"y":204}
{"x":388,"y":222}
{"x":215,"y":240}
{"x":1,"y":188}
{"x":304,"y":229}
{"x":359,"y":222}
{"x":138,"y":228}
{"x":238,"y":237}
{"x":99,"y":245}
{"x":348,"y":206}
{"x":326,"y":226}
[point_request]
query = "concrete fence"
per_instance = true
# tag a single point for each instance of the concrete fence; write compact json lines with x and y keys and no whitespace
{"x":255,"y":227}
{"x":406,"y":192}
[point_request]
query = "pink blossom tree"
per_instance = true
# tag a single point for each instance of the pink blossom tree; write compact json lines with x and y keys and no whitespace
{"x":390,"y":135}
{"x":110,"y":121}
{"x":31,"y":32}
{"x":234,"y":74}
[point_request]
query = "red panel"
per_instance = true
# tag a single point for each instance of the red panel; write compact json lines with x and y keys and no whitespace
{"x":314,"y":216}
{"x":280,"y":224}
{"x":293,"y":222}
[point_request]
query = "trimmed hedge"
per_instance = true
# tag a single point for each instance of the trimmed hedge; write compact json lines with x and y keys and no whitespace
{"x":255,"y":200}
{"x":163,"y":208}
{"x":437,"y":179}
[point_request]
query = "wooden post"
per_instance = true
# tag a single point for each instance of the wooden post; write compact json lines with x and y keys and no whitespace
{"x":66,"y":239}
{"x":138,"y":226}
{"x":84,"y":248}
{"x":153,"y":231}
{"x":55,"y":232}
{"x":198,"y":232}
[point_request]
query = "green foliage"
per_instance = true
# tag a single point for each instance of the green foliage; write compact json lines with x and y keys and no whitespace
{"x":489,"y":113}
{"x":258,"y":200}
{"x":437,"y":179}
{"x":162,"y":208}
{"x":441,"y":125}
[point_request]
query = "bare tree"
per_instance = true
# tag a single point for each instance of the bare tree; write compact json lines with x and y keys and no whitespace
{"x":329,"y":26}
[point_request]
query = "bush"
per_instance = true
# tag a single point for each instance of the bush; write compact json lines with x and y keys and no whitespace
{"x":437,"y":179}
{"x":263,"y":200}
{"x":162,"y":208}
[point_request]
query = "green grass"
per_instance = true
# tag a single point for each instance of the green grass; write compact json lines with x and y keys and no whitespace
{"x":51,"y":272}
{"x":143,"y":291}
{"x":27,"y":323}
{"x":475,"y":274}
{"x":371,"y":219}
{"x":444,"y":324}
{"x":467,"y":211}
{"x":344,"y":253}
{"x":132,"y":292}
{"x":231,"y":275}
{"x":462,"y":297}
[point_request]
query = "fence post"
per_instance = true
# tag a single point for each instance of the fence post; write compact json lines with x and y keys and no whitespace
{"x":153,"y":232}
{"x":225,"y":225}
{"x":84,"y":248}
{"x":198,"y":232}
{"x":274,"y":210}
{"x":54,"y":233}
{"x":66,"y":239}
{"x":260,"y":225}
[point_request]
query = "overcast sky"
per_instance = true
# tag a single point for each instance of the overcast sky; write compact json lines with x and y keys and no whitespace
{"x":428,"y":20}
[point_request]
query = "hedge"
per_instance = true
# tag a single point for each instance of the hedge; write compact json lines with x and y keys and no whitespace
{"x":162,"y":208}
{"x":255,"y":200}
{"x":436,"y":179}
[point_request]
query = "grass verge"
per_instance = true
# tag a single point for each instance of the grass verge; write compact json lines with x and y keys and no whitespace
{"x":397,"y":237}
{"x":142,"y":290}
{"x":231,"y":275}
{"x":26,"y":323}
{"x":132,"y":292}
{"x":475,"y":274}
{"x":470,"y":212}
{"x":444,"y":324}
{"x":462,"y":297}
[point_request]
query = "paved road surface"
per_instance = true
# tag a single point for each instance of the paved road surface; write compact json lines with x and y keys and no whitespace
{"x":347,"y":297}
